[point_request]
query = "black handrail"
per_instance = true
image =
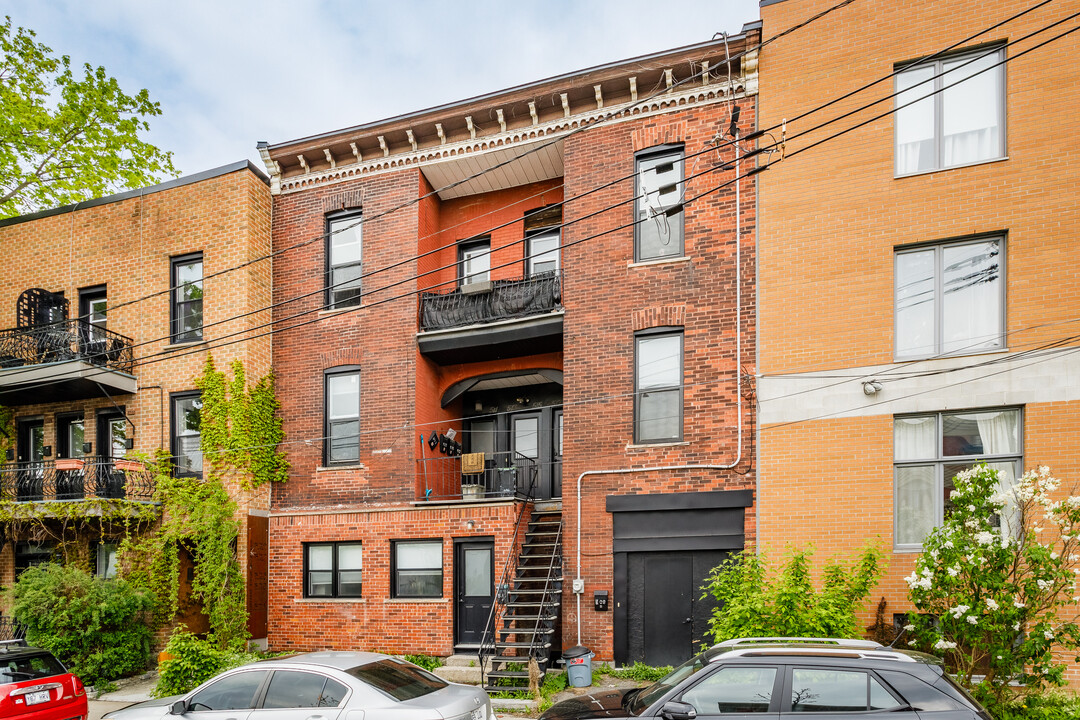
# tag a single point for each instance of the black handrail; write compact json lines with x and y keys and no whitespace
{"x":64,"y":341}
{"x":75,"y":479}
{"x":502,"y":590}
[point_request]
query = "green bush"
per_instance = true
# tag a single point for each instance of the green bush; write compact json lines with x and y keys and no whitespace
{"x":554,"y":683}
{"x":100,"y":628}
{"x":1041,"y":706}
{"x":425,"y":661}
{"x":192,"y":661}
{"x":756,"y":601}
{"x":638,"y":671}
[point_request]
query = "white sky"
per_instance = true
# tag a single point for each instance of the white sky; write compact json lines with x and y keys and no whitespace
{"x":233,"y":72}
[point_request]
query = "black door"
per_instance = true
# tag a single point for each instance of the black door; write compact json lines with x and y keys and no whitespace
{"x":70,"y":439}
{"x":111,"y":444}
{"x":30,"y":476}
{"x":474,"y":589}
{"x":667,"y":617}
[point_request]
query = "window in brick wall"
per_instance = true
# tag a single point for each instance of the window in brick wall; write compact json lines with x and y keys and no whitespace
{"x":187,"y":294}
{"x":186,"y":433}
{"x":417,"y":569}
{"x":344,"y":256}
{"x":474,"y":261}
{"x":950,"y":298}
{"x":542,"y":240}
{"x":951,"y":112}
{"x":658,"y":385}
{"x":930,"y":449}
{"x":342,"y":416}
{"x":658,"y":192}
{"x":333,"y":569}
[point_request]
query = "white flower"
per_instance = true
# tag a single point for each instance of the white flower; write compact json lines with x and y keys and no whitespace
{"x":953,"y":571}
{"x":1037,"y":529}
{"x":959,"y":610}
{"x":972,"y":620}
{"x":1042,"y":584}
{"x":984,"y":538}
{"x":909,"y":628}
{"x":1054,"y":556}
{"x":947,"y":544}
{"x":1048,"y":635}
{"x":971,"y":524}
{"x":944,"y":645}
{"x":991,"y":604}
{"x":910,"y":642}
{"x":1016,"y":626}
{"x":1018,"y":603}
{"x":971,"y":508}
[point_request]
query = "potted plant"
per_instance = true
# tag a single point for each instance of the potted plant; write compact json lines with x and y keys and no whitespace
{"x":69,"y":463}
{"x":129,"y":465}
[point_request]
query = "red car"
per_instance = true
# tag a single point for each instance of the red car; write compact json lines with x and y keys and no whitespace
{"x":34,"y":685}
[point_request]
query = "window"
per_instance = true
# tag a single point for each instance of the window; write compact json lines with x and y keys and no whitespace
{"x":929,"y":450}
{"x":836,"y":691}
{"x":417,"y":569}
{"x":186,"y":438}
{"x":344,"y":256}
{"x":658,"y":387}
{"x":474,"y":261}
{"x":733,"y":690}
{"x":950,"y":298}
{"x":93,"y":304}
{"x":956,"y":114}
{"x":542,"y":240}
{"x":295,"y":689}
{"x":658,"y":204}
{"x":187,"y":305}
{"x":333,"y":569}
{"x":342,"y":429}
{"x":231,"y":692}
{"x":106,"y":560}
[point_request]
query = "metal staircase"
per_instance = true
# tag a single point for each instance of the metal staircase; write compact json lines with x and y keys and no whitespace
{"x":524,"y":624}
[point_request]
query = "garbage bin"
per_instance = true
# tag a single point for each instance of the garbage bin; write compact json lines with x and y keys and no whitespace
{"x":578,"y":661}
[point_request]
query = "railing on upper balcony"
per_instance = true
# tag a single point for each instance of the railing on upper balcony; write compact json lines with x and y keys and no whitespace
{"x":505,"y":474}
{"x":504,"y":300}
{"x":75,"y":479}
{"x":64,"y":341}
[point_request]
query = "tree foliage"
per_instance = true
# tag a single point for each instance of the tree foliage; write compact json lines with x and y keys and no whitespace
{"x":997,"y":583}
{"x":66,"y":138}
{"x":758,"y":601}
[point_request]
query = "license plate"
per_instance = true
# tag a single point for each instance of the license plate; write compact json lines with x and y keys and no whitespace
{"x":478,"y":714}
{"x":35,"y":698}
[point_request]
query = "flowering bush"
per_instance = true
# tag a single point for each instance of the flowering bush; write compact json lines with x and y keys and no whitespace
{"x":995,"y":579}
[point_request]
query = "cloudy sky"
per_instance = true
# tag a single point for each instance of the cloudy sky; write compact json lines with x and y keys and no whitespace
{"x":232,"y":72}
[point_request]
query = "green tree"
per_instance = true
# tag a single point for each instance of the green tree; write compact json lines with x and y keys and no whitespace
{"x":755,"y":601}
{"x":65,"y":138}
{"x":997,"y":584}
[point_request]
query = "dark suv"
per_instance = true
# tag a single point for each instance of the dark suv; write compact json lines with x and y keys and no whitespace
{"x":772,"y":677}
{"x":34,"y":685}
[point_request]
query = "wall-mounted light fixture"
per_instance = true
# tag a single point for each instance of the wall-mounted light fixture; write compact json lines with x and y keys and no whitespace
{"x":470,"y":524}
{"x":871,"y":387}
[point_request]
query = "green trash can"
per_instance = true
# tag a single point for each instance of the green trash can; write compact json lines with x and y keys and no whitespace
{"x":578,"y":661}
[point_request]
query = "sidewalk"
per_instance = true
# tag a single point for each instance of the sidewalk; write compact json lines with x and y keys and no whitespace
{"x":130,"y":690}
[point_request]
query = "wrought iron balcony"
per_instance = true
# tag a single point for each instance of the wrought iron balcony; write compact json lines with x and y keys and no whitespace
{"x":478,"y":321}
{"x":503,"y":475}
{"x":83,"y":478}
{"x":68,"y":359}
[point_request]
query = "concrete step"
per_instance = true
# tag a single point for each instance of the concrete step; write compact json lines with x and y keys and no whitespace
{"x":461,"y":660}
{"x":459,"y":674}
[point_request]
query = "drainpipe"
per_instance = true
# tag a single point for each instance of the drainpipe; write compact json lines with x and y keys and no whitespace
{"x":578,"y":583}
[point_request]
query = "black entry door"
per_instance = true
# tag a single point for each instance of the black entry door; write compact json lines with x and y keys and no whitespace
{"x":474,"y":589}
{"x":112,"y":445}
{"x":30,"y":444}
{"x":667,"y":617}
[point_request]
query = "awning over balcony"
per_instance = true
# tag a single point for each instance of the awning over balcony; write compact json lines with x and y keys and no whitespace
{"x":51,"y":382}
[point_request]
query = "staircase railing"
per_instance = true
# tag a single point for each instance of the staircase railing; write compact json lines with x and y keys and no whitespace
{"x":536,"y":646}
{"x":502,"y":590}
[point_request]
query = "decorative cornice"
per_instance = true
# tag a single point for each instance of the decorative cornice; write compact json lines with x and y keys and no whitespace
{"x":693,"y":94}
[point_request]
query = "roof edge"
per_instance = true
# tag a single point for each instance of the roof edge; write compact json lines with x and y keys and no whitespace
{"x":138,"y":192}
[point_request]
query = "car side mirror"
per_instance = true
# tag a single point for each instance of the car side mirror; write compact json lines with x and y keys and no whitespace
{"x":178,"y":708}
{"x":678,"y":711}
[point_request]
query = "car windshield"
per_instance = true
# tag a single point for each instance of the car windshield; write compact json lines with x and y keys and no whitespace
{"x":29,"y":667}
{"x":397,"y":679}
{"x":647,"y":696}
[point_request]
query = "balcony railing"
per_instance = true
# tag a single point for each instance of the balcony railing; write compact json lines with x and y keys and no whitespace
{"x":504,"y":475}
{"x":65,"y":341}
{"x":84,"y":478}
{"x":504,"y":300}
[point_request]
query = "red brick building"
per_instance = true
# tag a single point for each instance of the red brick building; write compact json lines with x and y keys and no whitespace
{"x":511,"y":335}
{"x":111,"y":306}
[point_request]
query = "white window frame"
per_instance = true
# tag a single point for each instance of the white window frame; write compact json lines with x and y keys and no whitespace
{"x":651,"y":205}
{"x":996,"y":344}
{"x":940,"y":83}
{"x":674,"y":333}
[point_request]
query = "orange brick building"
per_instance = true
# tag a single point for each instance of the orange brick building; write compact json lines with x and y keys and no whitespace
{"x":915,"y":275}
{"x":111,"y":305}
{"x":512,"y":359}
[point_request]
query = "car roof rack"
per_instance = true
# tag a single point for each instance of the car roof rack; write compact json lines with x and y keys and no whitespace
{"x":827,"y":642}
{"x":6,"y":645}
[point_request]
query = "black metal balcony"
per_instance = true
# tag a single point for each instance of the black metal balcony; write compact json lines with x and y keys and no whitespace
{"x":66,"y":360}
{"x":504,"y":475}
{"x":76,"y":479}
{"x":493,"y":319}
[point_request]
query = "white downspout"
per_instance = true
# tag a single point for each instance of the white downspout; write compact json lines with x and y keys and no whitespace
{"x":578,"y":585}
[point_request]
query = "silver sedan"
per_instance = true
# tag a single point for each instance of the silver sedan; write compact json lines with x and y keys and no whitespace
{"x":320,"y":686}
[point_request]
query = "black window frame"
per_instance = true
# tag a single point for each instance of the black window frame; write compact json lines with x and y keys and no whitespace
{"x":345,"y":216}
{"x":484,"y":242}
{"x":674,"y":214}
{"x":328,"y":423}
{"x":650,"y":334}
{"x":176,"y":337}
{"x":174,"y":439}
{"x":335,"y":569}
{"x":394,"y":589}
